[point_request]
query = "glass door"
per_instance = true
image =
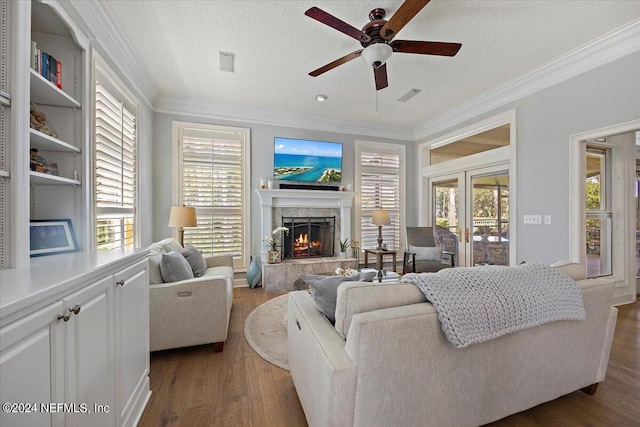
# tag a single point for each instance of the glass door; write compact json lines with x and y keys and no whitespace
{"x":487,"y":234}
{"x":470,"y":215}
{"x":447,"y":217}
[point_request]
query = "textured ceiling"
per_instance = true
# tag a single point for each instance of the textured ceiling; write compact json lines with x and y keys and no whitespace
{"x":276,"y":46}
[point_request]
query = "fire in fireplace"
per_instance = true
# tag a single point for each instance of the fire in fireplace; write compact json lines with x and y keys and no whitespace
{"x":308,"y":237}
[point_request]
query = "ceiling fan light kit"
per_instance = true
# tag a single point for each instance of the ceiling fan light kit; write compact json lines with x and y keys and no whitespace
{"x":377,"y":54}
{"x":376,"y":37}
{"x":321,"y":98}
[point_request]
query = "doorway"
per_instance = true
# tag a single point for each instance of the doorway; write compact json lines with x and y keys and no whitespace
{"x":474,"y":206}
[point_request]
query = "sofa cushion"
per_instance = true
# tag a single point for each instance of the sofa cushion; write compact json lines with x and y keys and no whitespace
{"x":195,"y":260}
{"x":357,"y":297}
{"x":220,"y":271}
{"x":155,"y":275}
{"x":174,"y":267}
{"x":428,"y":253}
{"x":324,"y":290}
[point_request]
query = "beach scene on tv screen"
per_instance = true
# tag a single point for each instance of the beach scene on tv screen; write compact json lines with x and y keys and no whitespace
{"x":307,"y":161}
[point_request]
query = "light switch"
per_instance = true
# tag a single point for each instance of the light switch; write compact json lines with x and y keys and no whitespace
{"x":547,"y":219}
{"x":533,"y":219}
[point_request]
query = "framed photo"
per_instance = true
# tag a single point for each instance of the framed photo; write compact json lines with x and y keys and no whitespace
{"x":51,"y":236}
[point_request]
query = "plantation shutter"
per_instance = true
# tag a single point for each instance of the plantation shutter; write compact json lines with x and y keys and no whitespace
{"x":115,"y":172}
{"x":380,"y":181}
{"x":212,"y":182}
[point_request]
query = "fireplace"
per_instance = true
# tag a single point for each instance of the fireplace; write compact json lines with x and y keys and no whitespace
{"x":308,"y":237}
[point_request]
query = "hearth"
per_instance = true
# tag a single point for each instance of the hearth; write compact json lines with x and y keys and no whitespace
{"x":308,"y":237}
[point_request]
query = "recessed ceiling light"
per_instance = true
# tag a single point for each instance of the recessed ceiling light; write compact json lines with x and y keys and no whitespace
{"x":321,"y":98}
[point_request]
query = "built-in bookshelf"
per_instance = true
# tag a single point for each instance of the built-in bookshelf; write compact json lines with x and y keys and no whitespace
{"x":57,"y":96}
{"x":5,"y":130}
{"x":46,"y":113}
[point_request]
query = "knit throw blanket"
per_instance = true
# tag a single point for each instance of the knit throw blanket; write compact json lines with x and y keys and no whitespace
{"x":476,"y":304}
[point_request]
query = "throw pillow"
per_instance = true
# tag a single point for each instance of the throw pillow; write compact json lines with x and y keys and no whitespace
{"x":195,"y":259}
{"x":155,"y":275}
{"x":174,"y":267}
{"x":324,"y":290}
{"x":429,"y":253}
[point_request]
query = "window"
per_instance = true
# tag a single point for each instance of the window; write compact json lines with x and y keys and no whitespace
{"x":214,"y":178}
{"x":115,"y":166}
{"x":380,"y":184}
{"x":598,"y":211}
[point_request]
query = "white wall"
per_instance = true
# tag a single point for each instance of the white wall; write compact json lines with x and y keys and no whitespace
{"x":604,"y":96}
{"x":261,"y":164}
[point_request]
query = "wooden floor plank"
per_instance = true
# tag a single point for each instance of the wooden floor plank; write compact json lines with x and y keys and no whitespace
{"x":198,"y":387}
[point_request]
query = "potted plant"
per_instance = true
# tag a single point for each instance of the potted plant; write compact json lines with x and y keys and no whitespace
{"x":274,"y":255}
{"x":344,"y":245}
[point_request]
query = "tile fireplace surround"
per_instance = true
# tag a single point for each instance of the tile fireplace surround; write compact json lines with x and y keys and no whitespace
{"x":277,"y":203}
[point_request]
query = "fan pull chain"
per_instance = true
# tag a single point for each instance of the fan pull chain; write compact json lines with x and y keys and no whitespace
{"x":376,"y":102}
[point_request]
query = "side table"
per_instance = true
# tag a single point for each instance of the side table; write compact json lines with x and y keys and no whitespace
{"x":379,"y":259}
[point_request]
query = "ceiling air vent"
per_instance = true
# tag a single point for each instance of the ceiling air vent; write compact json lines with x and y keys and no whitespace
{"x":407,"y":96}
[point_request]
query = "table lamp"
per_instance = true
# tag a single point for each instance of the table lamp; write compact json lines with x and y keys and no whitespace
{"x":181,"y":217}
{"x":380,"y":217}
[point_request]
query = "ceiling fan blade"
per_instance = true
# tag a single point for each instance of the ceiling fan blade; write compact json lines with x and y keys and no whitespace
{"x":380,"y":75}
{"x":404,"y":14}
{"x":330,"y":20}
{"x":334,"y":64}
{"x":426,"y":48}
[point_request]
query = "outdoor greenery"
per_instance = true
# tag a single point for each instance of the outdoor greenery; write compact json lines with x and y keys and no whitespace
{"x":485,"y":205}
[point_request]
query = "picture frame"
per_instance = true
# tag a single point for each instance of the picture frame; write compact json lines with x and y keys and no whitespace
{"x":51,"y":237}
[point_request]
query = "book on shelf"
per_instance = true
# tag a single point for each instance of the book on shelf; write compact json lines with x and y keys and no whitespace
{"x":34,"y":57}
{"x":59,"y":74}
{"x":46,"y":65}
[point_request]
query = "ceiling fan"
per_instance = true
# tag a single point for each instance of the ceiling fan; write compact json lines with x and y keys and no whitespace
{"x":376,"y":38}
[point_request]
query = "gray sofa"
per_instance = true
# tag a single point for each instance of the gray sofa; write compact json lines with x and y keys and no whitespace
{"x":190,"y":312}
{"x":387,"y":361}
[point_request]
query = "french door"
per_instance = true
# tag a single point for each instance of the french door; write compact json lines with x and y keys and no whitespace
{"x":473,"y":206}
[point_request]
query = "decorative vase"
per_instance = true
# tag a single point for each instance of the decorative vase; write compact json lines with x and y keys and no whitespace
{"x":253,"y":272}
{"x":274,"y":257}
{"x":342,"y":255}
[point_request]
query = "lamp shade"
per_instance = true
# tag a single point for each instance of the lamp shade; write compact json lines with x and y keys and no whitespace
{"x":377,"y":54}
{"x":182,"y":216}
{"x":380,"y":217}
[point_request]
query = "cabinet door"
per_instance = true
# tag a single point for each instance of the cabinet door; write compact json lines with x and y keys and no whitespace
{"x":32,"y":369}
{"x":90,"y":361}
{"x":132,"y":343}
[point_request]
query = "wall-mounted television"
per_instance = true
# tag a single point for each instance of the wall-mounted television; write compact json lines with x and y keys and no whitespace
{"x":301,"y":160}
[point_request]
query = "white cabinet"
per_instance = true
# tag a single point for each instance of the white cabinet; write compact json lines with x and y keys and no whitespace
{"x":32,"y":367}
{"x":132,"y":342}
{"x":87,"y":348}
{"x":89,"y":353}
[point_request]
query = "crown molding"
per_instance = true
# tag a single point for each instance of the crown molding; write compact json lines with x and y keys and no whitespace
{"x":286,"y":118}
{"x":614,"y":45}
{"x":105,"y":34}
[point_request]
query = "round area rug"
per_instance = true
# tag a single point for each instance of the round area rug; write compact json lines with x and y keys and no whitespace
{"x":266,"y":331}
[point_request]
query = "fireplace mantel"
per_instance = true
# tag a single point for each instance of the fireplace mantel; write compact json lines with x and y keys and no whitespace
{"x":270,"y":199}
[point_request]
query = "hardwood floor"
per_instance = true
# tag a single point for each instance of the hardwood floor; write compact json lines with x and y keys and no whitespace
{"x":198,"y":387}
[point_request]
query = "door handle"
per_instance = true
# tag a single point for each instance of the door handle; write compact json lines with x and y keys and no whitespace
{"x":459,"y":233}
{"x":467,"y":235}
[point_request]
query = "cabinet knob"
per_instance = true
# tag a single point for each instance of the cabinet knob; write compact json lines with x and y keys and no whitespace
{"x":120,"y":282}
{"x":66,"y":316}
{"x":75,"y":309}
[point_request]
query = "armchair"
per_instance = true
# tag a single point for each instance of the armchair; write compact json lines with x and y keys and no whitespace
{"x":193,"y":311}
{"x":424,"y":254}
